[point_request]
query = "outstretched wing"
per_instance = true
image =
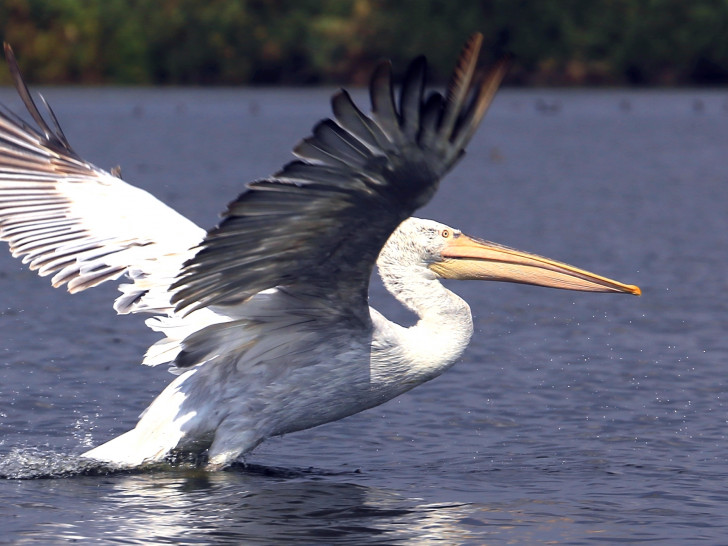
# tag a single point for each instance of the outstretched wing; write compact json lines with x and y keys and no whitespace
{"x":317,"y":226}
{"x":67,"y":218}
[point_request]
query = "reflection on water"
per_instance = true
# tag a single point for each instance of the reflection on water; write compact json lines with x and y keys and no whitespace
{"x":246,"y":504}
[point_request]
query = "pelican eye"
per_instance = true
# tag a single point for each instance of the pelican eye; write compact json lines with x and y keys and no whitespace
{"x":445,"y":233}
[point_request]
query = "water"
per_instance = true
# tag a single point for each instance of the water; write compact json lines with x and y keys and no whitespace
{"x":572,"y":418}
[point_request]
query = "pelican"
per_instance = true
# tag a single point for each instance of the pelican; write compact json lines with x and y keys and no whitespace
{"x":265,"y":318}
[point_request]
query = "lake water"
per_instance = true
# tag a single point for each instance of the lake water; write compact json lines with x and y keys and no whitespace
{"x":572,"y":418}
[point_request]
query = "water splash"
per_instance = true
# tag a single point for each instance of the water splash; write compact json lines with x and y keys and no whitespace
{"x":30,"y":463}
{"x":34,"y":463}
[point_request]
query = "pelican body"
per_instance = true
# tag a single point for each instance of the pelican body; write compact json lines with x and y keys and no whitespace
{"x":265,"y":318}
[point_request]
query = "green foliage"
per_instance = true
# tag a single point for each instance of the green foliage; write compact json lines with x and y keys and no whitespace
{"x":555,"y":42}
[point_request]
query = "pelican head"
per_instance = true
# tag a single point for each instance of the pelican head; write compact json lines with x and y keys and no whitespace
{"x":448,"y":253}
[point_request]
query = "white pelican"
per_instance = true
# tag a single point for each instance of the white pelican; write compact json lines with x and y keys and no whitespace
{"x":266,"y":317}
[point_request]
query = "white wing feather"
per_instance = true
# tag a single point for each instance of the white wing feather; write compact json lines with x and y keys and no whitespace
{"x":84,"y":226}
{"x":67,"y":218}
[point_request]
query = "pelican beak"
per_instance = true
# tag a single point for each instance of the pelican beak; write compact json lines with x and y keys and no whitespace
{"x":466,"y":258}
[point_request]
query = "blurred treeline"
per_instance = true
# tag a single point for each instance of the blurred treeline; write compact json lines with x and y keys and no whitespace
{"x":554,"y":42}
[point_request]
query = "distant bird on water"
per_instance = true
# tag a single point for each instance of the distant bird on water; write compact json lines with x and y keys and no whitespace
{"x":266,"y":317}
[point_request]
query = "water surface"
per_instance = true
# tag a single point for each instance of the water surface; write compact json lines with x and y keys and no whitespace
{"x":572,"y":418}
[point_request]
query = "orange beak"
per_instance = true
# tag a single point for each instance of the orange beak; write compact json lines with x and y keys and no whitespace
{"x":466,"y":258}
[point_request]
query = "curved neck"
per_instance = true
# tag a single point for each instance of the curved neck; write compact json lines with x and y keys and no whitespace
{"x":445,"y":324}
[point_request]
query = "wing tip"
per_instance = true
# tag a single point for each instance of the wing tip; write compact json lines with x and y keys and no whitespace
{"x":9,"y":55}
{"x":54,"y":138}
{"x":483,"y":93}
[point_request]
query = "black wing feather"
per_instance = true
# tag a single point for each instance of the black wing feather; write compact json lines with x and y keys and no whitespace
{"x":55,"y":138}
{"x":317,"y":226}
{"x":411,"y":97}
{"x":355,"y":122}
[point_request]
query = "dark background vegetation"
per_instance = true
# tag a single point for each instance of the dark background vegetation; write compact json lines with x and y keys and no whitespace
{"x":555,"y":42}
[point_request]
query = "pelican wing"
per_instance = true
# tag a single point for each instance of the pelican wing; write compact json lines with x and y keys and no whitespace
{"x":82,"y":225}
{"x":317,"y":226}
